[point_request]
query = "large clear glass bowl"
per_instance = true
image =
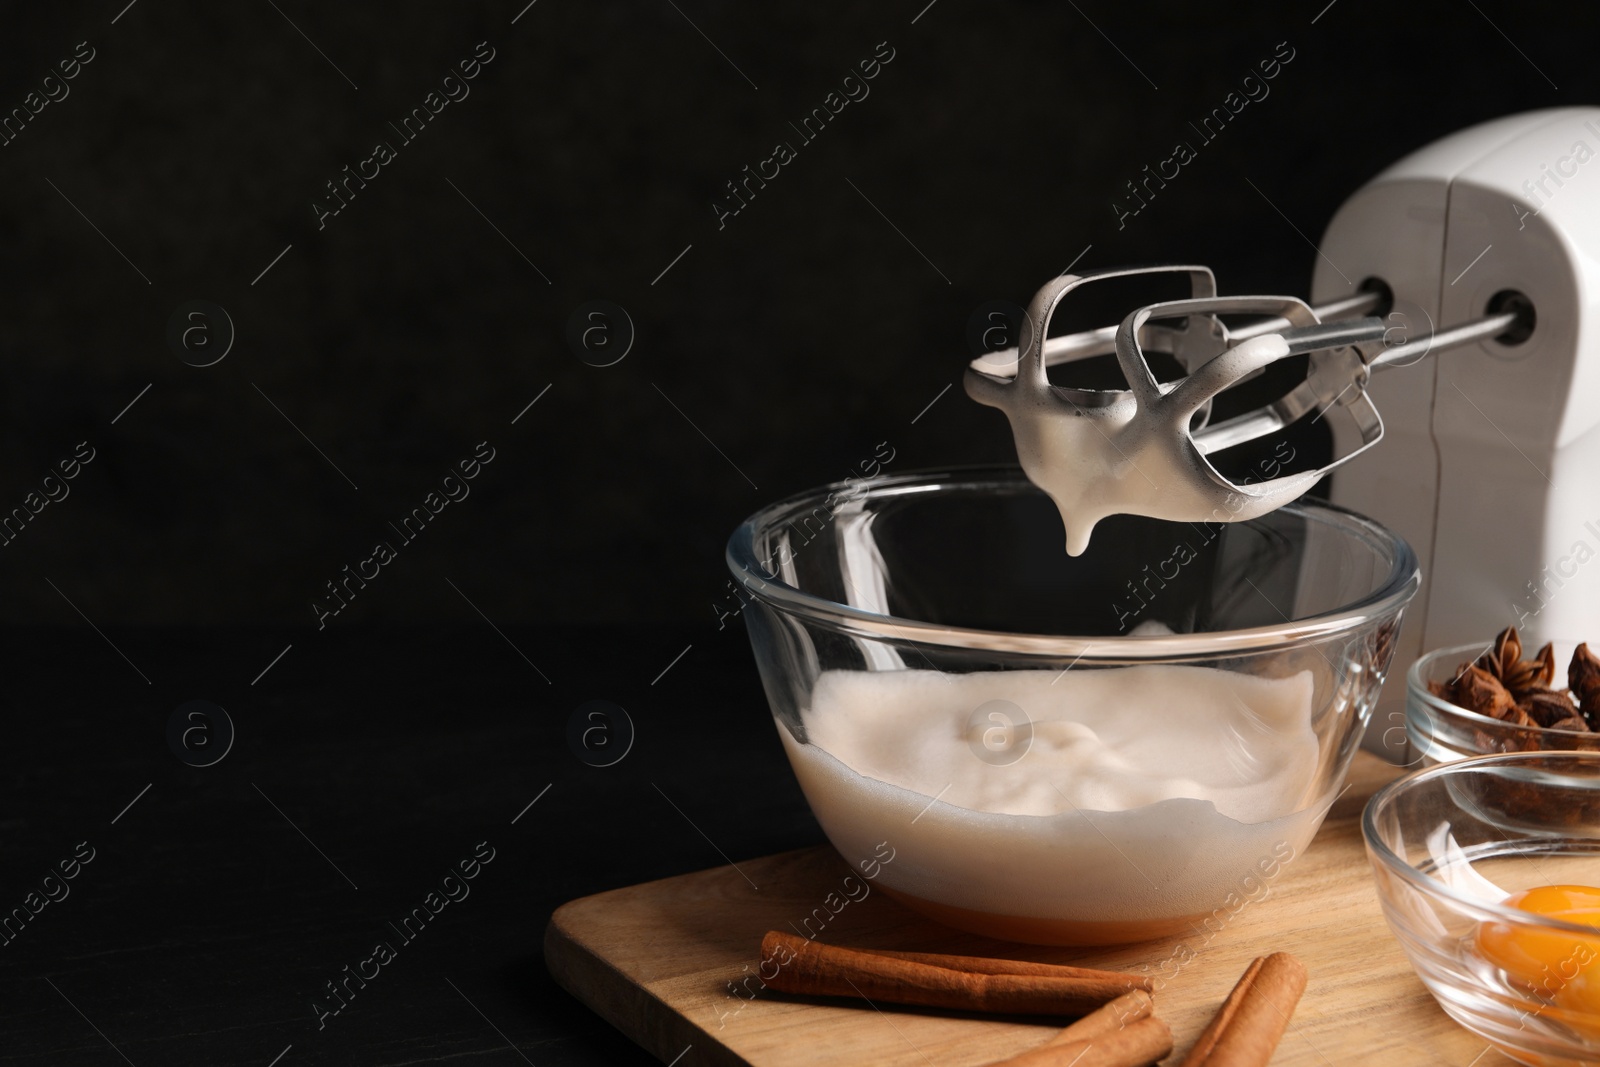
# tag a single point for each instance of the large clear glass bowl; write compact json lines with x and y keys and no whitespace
{"x":1448,"y":845}
{"x":946,"y":603}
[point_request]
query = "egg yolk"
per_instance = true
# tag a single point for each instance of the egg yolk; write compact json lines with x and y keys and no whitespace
{"x":1560,"y":967}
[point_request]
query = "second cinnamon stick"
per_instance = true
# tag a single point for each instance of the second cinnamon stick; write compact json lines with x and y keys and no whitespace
{"x":1250,"y":1023}
{"x":1135,"y":1045}
{"x":812,"y":969}
{"x":1108,"y":1019}
{"x":994,"y":965}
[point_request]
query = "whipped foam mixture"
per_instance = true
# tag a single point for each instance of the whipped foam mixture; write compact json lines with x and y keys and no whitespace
{"x":1146,"y":791}
{"x":1105,"y":740}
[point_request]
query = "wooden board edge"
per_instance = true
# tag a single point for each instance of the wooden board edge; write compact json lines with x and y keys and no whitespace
{"x":644,"y":1018}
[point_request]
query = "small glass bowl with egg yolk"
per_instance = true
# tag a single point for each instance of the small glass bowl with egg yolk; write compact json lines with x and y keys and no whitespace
{"x":1488,"y":871}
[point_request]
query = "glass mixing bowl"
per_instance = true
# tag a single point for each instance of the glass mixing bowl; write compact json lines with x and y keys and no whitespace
{"x":1448,"y":845}
{"x":1065,"y":750}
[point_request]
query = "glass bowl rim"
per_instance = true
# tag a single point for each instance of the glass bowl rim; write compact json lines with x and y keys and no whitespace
{"x":1391,"y":595}
{"x":1418,"y":688}
{"x":1427,"y":884}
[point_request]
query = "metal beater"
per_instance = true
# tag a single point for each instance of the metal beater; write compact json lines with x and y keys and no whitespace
{"x":1144,"y":450}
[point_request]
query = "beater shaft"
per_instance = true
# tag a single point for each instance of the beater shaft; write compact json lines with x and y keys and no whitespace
{"x":1464,"y":334}
{"x":1068,"y":346}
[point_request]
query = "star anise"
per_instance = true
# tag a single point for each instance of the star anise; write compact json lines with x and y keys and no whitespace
{"x":1505,"y":652}
{"x":1517,"y":717}
{"x":1502,"y":685}
{"x":1383,"y":645}
{"x":1583,"y":676}
{"x":1476,"y":688}
{"x":1504,"y":661}
{"x":1547,"y":659}
{"x":1548,"y":706}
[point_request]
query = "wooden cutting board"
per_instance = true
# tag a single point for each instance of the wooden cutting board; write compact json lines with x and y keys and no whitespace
{"x":656,"y":960}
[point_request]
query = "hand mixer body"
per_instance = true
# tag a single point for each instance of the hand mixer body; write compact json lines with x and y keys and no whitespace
{"x":1491,"y":469}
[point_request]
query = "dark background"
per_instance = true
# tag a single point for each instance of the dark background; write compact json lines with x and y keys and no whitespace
{"x":379,"y":350}
{"x":796,"y":338}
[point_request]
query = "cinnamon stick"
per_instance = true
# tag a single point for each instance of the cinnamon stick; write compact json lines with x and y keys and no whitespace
{"x":1224,"y":1016}
{"x":1097,"y":1040}
{"x":1140,"y":1043}
{"x":1121,"y":1033}
{"x":990,"y":965}
{"x":1250,"y":1023}
{"x":1124,"y":1011}
{"x":811,"y":969}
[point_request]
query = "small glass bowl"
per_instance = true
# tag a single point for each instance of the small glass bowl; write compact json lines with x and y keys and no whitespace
{"x":1447,"y":845}
{"x":1438,"y":731}
{"x":951,"y":594}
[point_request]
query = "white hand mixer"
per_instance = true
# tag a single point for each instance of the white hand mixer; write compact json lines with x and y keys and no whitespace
{"x":1492,"y":467}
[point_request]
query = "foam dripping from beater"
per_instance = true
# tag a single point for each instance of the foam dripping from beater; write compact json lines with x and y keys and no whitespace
{"x":1124,"y":459}
{"x":1139,"y":450}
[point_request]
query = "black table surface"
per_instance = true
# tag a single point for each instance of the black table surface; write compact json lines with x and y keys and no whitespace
{"x":366,"y":764}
